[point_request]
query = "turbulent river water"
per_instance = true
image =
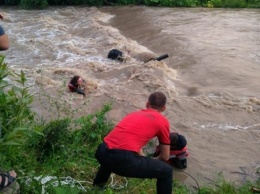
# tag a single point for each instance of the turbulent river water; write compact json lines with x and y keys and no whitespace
{"x":211,"y":77}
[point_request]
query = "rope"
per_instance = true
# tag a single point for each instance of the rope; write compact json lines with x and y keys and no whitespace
{"x":56,"y":181}
{"x":198,"y":187}
{"x":116,"y":185}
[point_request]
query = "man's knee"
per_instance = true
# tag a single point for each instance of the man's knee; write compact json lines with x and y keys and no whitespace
{"x":168,"y":171}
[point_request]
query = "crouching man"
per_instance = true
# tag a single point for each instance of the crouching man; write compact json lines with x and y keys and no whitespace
{"x":121,"y":150}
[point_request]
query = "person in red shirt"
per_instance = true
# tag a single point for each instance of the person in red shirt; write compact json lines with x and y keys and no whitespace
{"x":121,"y":150}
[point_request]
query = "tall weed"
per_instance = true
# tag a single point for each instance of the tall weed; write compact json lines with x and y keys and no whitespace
{"x":16,"y":118}
{"x":229,"y":3}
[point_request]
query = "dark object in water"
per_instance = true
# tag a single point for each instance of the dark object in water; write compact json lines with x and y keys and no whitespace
{"x":115,"y":54}
{"x":158,"y":58}
{"x":161,"y":57}
{"x":179,"y":163}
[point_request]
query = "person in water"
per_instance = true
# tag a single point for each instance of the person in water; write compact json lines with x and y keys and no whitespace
{"x":178,"y":151}
{"x":121,"y":150}
{"x":4,"y":41}
{"x":76,"y":85}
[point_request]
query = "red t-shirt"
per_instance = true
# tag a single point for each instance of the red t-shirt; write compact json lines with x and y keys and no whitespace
{"x":137,"y":128}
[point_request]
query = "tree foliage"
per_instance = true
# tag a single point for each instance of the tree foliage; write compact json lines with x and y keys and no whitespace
{"x":38,"y":4}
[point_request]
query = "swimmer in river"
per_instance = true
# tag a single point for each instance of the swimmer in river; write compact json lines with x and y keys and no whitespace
{"x":76,"y":85}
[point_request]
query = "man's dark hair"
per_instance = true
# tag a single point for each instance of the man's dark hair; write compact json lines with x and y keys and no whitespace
{"x":157,"y":100}
{"x":74,"y":80}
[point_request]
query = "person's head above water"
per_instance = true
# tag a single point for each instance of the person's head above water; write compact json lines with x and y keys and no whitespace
{"x":157,"y":100}
{"x":178,"y":141}
{"x":76,"y":80}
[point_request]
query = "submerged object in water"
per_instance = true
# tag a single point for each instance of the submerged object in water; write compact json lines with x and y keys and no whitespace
{"x":164,"y":56}
{"x":161,"y":57}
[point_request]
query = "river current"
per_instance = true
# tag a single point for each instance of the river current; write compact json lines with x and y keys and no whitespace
{"x":211,"y":77}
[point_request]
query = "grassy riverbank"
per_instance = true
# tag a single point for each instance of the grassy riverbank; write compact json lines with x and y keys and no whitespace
{"x":57,"y":156}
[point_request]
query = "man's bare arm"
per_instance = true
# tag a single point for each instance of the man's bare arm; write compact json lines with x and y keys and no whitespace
{"x":165,"y":152}
{"x":141,"y":153}
{"x":4,"y":41}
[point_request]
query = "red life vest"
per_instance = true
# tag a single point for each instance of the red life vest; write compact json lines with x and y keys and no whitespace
{"x":71,"y":87}
{"x":179,"y":153}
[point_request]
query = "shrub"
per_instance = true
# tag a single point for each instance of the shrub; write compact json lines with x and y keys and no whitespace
{"x":92,"y":128}
{"x":55,"y":136}
{"x":229,"y":3}
{"x":34,"y":4}
{"x":253,"y":3}
{"x":16,"y":117}
{"x":173,"y":3}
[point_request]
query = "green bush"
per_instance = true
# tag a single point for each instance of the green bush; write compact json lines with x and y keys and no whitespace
{"x":253,"y":3}
{"x":187,"y":3}
{"x":66,"y":147}
{"x":229,"y":3}
{"x":40,"y":4}
{"x":16,"y":118}
{"x":92,"y":128}
{"x":93,"y":2}
{"x":151,"y":2}
{"x":34,"y":4}
{"x":66,"y":2}
{"x":55,"y":136}
{"x":173,"y":3}
{"x":12,"y":2}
